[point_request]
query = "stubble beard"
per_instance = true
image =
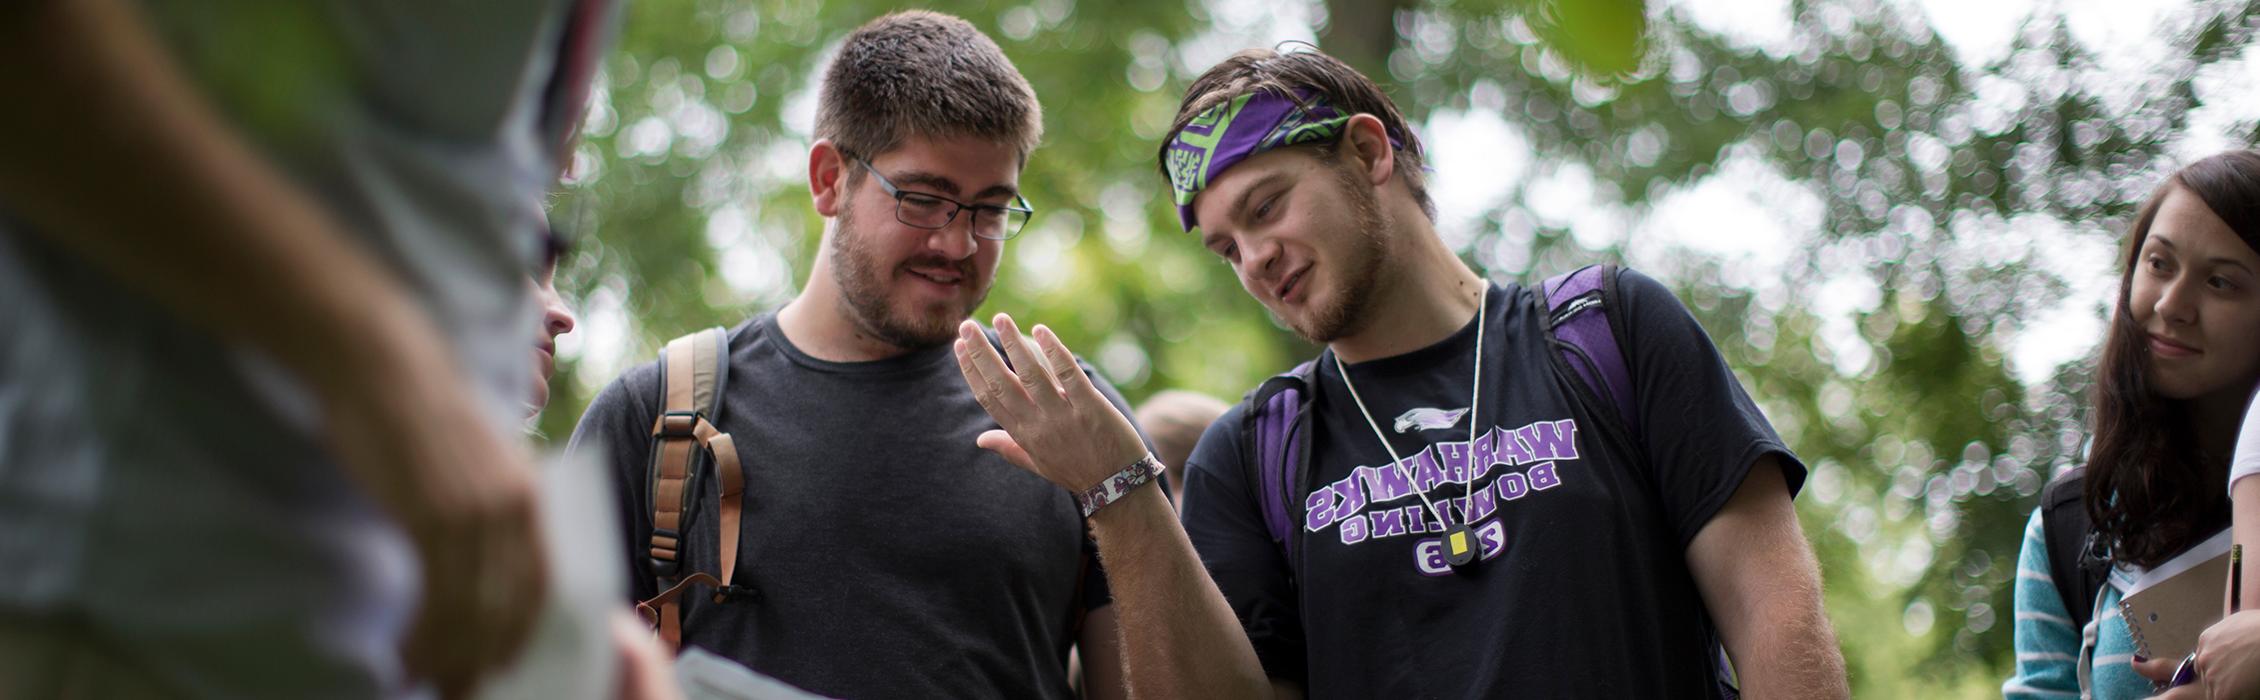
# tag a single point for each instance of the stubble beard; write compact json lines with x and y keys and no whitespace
{"x":870,"y":307}
{"x":1351,"y":309}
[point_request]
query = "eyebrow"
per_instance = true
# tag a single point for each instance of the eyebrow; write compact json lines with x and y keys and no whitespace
{"x":2216,"y":260}
{"x":946,"y":186}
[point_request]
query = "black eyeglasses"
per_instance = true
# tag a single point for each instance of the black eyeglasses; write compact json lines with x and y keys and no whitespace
{"x":932,"y":212}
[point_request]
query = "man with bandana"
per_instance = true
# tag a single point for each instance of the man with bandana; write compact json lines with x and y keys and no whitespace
{"x":1463,"y":518}
{"x":881,"y":553}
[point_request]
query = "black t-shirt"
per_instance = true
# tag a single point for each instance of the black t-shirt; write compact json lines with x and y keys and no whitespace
{"x":1582,"y":589}
{"x":891,"y":556}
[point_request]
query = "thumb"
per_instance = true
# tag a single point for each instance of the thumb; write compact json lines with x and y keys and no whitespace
{"x":1001,"y":442}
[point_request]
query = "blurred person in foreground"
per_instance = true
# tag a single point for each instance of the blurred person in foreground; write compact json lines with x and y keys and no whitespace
{"x":1174,"y":420}
{"x":880,"y":553}
{"x":266,"y":340}
{"x":1606,"y":565}
{"x":2180,"y":360}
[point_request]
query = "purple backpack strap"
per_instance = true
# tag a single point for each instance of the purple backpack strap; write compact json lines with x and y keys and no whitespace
{"x":1275,"y":414}
{"x":1576,"y":305}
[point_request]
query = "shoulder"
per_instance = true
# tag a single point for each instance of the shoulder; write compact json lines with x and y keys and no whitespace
{"x":1636,"y":297}
{"x":640,"y":384}
{"x":1637,"y":290}
{"x":635,"y":389}
{"x":1654,"y":321}
{"x":2067,"y":488}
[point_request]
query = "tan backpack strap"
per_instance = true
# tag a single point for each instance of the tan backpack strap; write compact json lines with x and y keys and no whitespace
{"x":675,"y":449}
{"x":733,"y":489}
{"x":663,"y":612}
{"x":692,"y":367}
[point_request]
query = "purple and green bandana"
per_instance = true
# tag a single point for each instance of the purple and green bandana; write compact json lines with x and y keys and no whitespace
{"x":1247,"y":125}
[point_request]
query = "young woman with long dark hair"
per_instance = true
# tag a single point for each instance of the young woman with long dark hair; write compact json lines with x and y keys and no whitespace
{"x":2180,"y":360}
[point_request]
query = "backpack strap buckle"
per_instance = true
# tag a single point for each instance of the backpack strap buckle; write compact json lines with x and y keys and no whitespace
{"x":665,"y":552}
{"x":676,"y":424}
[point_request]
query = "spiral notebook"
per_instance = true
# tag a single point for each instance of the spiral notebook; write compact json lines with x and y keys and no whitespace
{"x":2168,"y":607}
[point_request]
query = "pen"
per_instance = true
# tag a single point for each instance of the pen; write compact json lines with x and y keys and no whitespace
{"x":2236,"y":578}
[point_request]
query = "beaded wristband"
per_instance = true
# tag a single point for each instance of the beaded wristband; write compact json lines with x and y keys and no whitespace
{"x":1115,"y":487}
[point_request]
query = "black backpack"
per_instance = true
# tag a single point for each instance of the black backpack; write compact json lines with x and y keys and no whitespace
{"x":2076,"y":562}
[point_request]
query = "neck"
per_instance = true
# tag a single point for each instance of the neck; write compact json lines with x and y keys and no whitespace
{"x":821,"y":324}
{"x":1422,"y":297}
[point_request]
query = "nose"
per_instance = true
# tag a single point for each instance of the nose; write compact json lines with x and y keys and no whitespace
{"x":955,"y":240}
{"x":2177,"y":303}
{"x":1259,"y":256}
{"x":556,"y":318}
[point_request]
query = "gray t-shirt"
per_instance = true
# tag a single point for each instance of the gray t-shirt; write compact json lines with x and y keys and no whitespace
{"x":168,"y":491}
{"x":887,"y":554}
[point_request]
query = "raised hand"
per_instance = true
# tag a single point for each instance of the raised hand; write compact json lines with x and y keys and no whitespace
{"x":1056,"y":423}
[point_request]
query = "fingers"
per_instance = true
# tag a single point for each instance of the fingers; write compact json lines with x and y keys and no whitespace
{"x":519,"y":583}
{"x":437,"y":653}
{"x":1033,"y":372}
{"x":2157,"y":670}
{"x":1001,"y":442}
{"x":484,"y":577}
{"x":986,"y":374}
{"x":1065,"y":370}
{"x":643,"y":665}
{"x":504,"y":583}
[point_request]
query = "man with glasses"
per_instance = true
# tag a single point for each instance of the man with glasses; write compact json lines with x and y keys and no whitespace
{"x":881,"y":552}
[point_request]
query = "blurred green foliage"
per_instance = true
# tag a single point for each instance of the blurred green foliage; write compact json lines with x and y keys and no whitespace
{"x":690,"y":209}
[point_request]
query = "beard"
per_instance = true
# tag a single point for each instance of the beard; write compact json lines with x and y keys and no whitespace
{"x":1358,"y":272}
{"x":865,"y":285}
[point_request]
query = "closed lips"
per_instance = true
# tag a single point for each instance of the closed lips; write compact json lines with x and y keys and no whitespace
{"x":1288,"y":285}
{"x":938,"y":276}
{"x":2172,"y":345}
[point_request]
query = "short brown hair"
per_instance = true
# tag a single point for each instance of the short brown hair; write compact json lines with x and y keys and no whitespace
{"x":920,"y":73}
{"x":1324,"y":76}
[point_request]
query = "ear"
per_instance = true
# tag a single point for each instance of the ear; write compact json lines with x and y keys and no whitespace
{"x":1368,"y":141}
{"x":827,"y":178}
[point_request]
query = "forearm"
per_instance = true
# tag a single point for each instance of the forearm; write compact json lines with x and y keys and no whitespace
{"x":2244,"y":497}
{"x":118,"y":161}
{"x":1762,"y":586}
{"x":1182,"y":639}
{"x":1784,"y":647}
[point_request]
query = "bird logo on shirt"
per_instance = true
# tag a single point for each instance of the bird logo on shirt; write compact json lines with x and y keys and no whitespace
{"x":1429,"y":419}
